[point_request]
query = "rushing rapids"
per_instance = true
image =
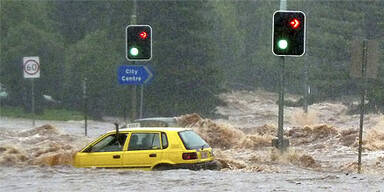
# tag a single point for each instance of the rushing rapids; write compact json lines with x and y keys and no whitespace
{"x":322,"y":152}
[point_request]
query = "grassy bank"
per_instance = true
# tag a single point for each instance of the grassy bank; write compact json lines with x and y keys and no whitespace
{"x":49,"y":114}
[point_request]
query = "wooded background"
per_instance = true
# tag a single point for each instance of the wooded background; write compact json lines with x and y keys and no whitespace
{"x":200,"y":49}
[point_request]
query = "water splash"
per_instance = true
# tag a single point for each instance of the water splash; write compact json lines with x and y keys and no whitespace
{"x":44,"y":145}
{"x":374,"y":139}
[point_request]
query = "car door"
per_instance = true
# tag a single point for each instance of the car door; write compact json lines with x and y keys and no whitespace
{"x":144,"y":150}
{"x":107,"y":152}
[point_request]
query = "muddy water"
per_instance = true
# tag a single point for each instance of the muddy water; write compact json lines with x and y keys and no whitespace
{"x":322,"y":156}
{"x":70,"y":179}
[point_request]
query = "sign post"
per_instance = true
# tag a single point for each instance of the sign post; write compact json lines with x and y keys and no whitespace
{"x":362,"y":107}
{"x":85,"y":100}
{"x":31,"y":68}
{"x":364,"y":65}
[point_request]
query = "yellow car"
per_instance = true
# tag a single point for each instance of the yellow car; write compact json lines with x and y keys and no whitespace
{"x":151,"y":148}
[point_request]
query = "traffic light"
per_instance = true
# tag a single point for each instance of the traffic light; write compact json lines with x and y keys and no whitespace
{"x":139,"y":42}
{"x":288,"y":33}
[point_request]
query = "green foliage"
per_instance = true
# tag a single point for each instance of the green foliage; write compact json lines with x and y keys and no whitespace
{"x":92,"y":58}
{"x":85,"y":39}
{"x":27,"y":31}
{"x":331,"y":27}
{"x":199,"y":48}
{"x":187,"y":77}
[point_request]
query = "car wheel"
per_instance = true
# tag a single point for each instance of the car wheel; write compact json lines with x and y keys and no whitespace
{"x":162,"y":167}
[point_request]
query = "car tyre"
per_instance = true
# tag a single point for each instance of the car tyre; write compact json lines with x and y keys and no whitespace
{"x":162,"y":167}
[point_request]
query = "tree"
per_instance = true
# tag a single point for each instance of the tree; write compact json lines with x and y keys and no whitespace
{"x":95,"y":59}
{"x":27,"y":31}
{"x":187,"y":77}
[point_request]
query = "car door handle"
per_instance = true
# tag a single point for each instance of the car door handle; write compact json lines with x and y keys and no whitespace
{"x":116,"y":156}
{"x":152,"y":155}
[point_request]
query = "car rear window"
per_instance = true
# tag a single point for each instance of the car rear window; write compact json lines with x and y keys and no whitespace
{"x":192,"y":140}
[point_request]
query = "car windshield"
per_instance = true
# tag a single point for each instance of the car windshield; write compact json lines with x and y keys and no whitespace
{"x":192,"y":140}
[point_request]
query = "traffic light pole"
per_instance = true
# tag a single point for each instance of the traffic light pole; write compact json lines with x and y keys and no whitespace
{"x":134,"y":103}
{"x":306,"y":87}
{"x":280,"y":133}
{"x":283,"y":4}
{"x":133,"y":96}
{"x":141,"y":101}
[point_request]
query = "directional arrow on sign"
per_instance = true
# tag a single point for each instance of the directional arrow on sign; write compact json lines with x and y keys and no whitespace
{"x":134,"y":74}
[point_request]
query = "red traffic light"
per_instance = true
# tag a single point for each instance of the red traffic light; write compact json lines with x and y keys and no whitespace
{"x":295,"y":23}
{"x":143,"y":35}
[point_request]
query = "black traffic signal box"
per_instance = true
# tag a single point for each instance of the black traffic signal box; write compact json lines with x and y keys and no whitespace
{"x":139,"y":42}
{"x":288,"y":33}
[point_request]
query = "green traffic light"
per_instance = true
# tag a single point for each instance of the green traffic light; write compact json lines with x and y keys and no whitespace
{"x":283,"y":44}
{"x":134,"y":51}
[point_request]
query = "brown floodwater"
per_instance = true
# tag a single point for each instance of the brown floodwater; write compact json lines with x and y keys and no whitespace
{"x":322,"y":155}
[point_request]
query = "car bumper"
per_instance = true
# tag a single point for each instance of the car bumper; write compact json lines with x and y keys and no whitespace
{"x":210,"y":165}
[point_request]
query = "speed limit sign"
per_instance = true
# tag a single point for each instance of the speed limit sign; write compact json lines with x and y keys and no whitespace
{"x":31,"y":67}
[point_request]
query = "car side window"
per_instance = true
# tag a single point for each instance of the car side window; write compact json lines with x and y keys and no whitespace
{"x":144,"y":141}
{"x":164,"y":140}
{"x":109,"y":143}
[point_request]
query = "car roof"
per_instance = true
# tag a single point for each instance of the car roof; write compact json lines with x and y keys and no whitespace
{"x":164,"y":129}
{"x":158,"y":121}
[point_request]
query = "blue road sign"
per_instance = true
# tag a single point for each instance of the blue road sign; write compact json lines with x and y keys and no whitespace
{"x":134,"y":74}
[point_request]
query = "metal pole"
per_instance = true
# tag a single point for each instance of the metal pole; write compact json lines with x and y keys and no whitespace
{"x":134,"y":104}
{"x":305,"y":87}
{"x":141,"y":101}
{"x":1,"y":102}
{"x":85,"y":106}
{"x":33,"y":102}
{"x":362,"y":104}
{"x":283,"y":4}
{"x":125,"y":110}
{"x":133,"y":97}
{"x":280,"y":133}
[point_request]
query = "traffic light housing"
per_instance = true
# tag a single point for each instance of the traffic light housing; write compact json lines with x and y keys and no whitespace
{"x":288,"y":33}
{"x":139,"y":42}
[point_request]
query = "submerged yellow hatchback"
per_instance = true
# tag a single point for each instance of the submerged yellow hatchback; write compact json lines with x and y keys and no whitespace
{"x":152,"y":148}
